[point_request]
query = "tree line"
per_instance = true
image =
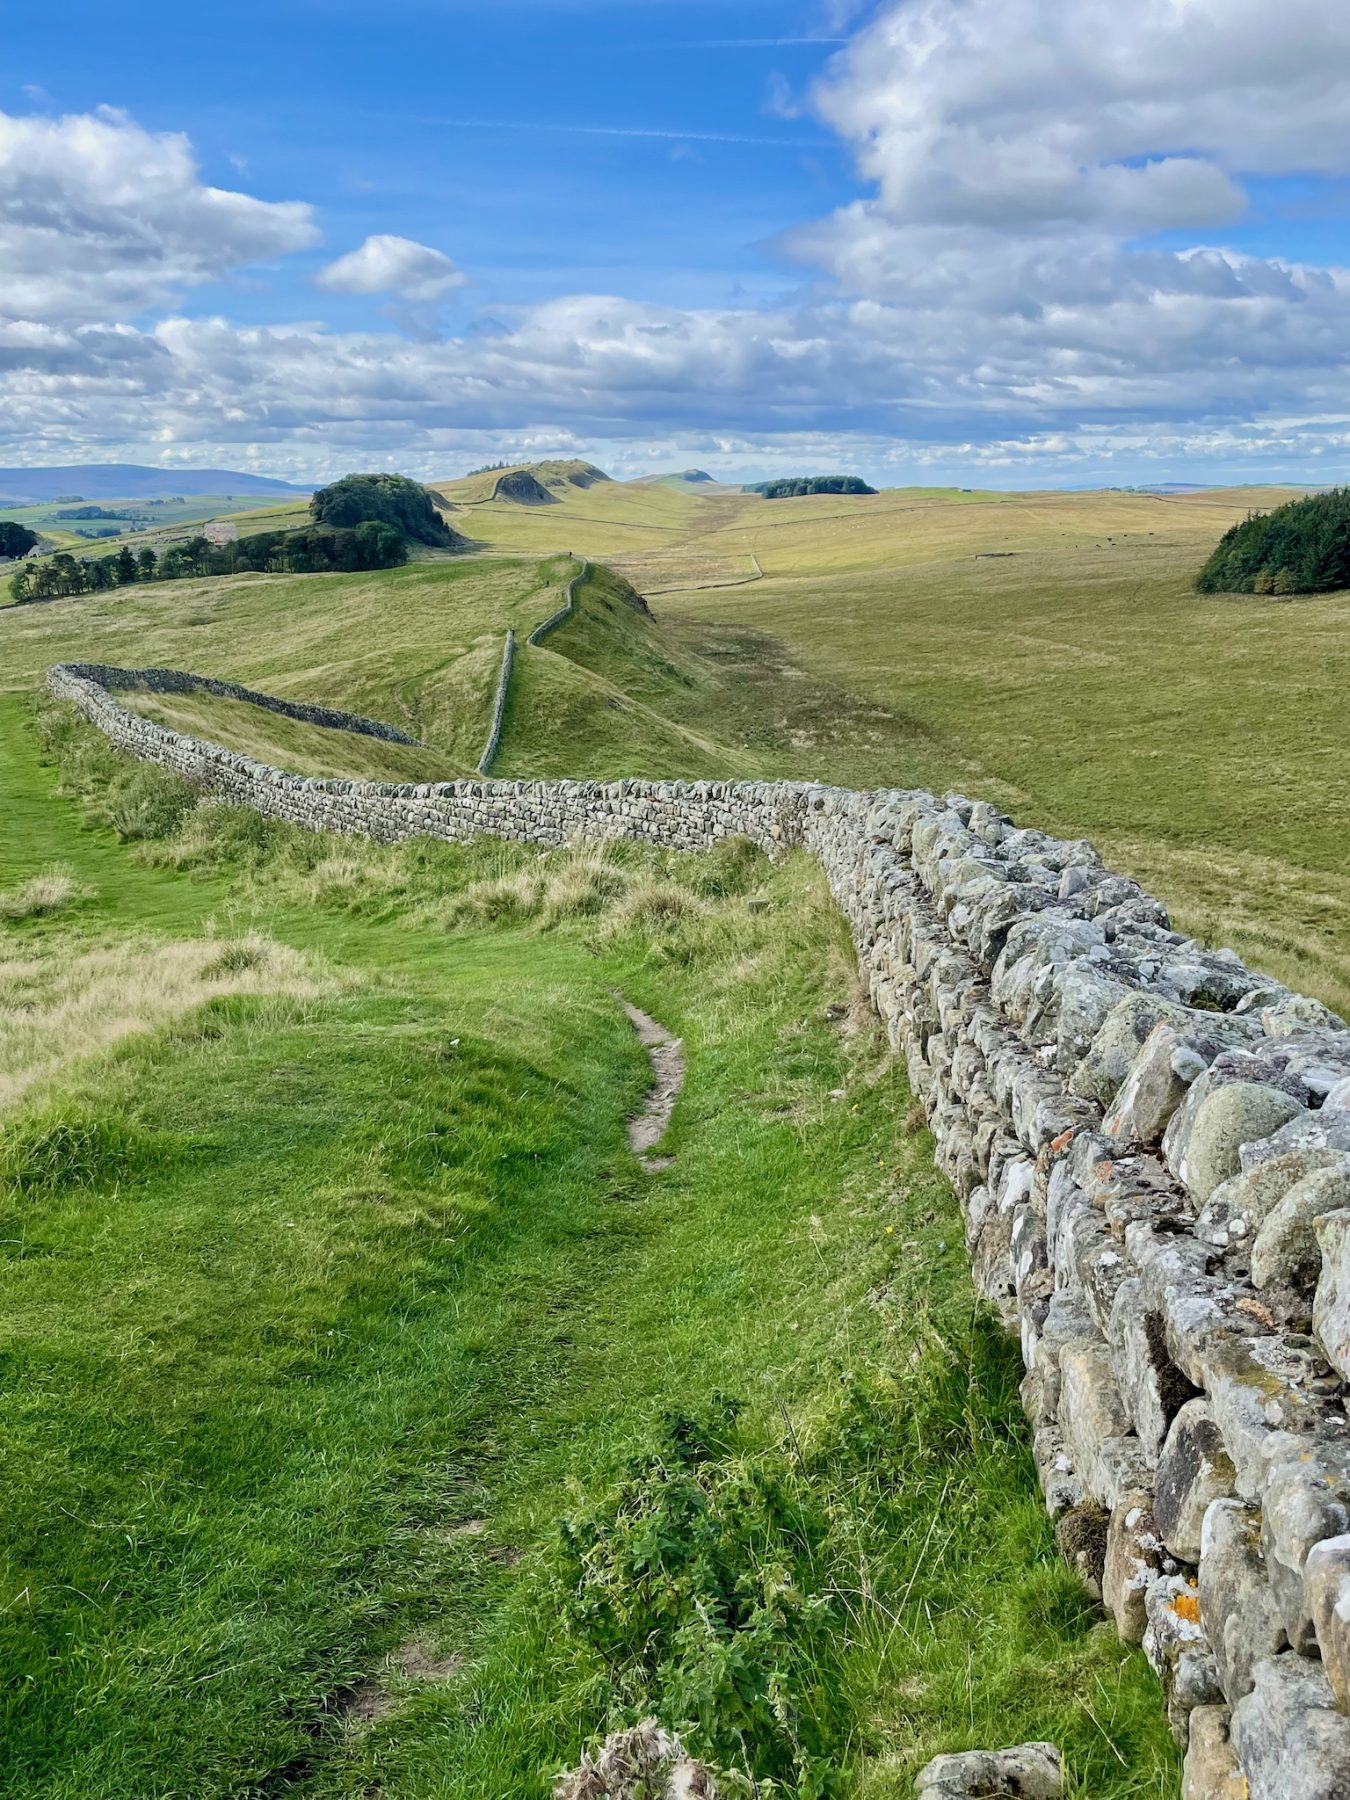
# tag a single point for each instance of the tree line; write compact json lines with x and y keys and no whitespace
{"x":315,"y":549}
{"x":1301,"y":548}
{"x":790,"y":487}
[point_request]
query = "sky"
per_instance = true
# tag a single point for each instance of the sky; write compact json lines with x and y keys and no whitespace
{"x":1013,"y":243}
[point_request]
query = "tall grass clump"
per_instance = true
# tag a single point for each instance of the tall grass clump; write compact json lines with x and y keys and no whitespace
{"x":136,"y":800}
{"x":50,"y":891}
{"x":53,"y":1153}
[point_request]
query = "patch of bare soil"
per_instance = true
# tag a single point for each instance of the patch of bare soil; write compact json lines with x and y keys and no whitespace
{"x":371,"y":1700}
{"x":666,"y":1055}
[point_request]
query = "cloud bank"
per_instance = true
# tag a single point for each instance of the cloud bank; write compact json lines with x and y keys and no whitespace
{"x":1038,"y":275}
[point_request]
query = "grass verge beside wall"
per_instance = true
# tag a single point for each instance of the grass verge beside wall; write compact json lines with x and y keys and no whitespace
{"x":355,"y":1299}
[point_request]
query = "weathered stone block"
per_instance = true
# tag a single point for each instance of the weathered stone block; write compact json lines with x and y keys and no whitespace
{"x":1030,"y":1772}
{"x":1239,"y":1610}
{"x":1135,"y":1557}
{"x":1193,"y":1470}
{"x":1178,"y":1651}
{"x":1286,"y":1253}
{"x":1238,"y":1113}
{"x":1302,"y":1504}
{"x":1290,"y":1740}
{"x":1152,"y":1386}
{"x":1331,"y":1302}
{"x":1212,"y":1770}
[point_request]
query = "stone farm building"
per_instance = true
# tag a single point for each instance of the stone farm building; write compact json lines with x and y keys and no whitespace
{"x":220,"y":531}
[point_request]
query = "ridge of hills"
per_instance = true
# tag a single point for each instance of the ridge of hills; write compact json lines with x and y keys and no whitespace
{"x":130,"y":481}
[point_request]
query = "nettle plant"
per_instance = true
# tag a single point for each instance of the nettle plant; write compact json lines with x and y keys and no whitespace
{"x":703,"y":1586}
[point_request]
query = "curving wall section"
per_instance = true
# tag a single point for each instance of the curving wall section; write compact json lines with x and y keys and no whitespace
{"x":1151,"y":1147}
{"x":176,"y":681}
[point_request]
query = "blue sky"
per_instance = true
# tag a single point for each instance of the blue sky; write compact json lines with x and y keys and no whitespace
{"x":997,"y":241}
{"x":546,"y":147}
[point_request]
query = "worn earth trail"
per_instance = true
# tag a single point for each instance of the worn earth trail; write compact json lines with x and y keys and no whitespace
{"x":666,"y":1054}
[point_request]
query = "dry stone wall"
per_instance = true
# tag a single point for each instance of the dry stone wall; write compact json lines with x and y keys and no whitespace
{"x":1151,"y":1148}
{"x":176,"y":681}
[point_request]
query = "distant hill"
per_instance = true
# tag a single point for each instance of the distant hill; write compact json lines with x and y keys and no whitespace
{"x":524,"y":488}
{"x":530,"y":484}
{"x":130,"y":481}
{"x":683,"y":478}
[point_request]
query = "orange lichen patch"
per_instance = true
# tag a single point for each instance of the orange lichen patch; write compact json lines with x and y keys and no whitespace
{"x":1063,"y":1141}
{"x":1255,"y":1309}
{"x":1187,"y":1606}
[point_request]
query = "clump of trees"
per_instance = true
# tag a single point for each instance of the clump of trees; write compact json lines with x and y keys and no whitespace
{"x":386,"y":499}
{"x":1301,"y":548}
{"x":15,"y":539}
{"x":316,"y":549}
{"x":791,"y":487}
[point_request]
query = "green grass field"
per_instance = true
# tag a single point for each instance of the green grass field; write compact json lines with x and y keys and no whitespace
{"x":154,"y":520}
{"x":1045,"y":650}
{"x":332,"y":1287}
{"x":292,"y":744}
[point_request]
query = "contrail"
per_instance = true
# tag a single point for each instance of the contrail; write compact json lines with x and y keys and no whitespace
{"x":631,"y":131}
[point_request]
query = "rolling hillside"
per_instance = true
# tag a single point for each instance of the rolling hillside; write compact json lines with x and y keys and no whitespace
{"x":1045,"y":649}
{"x":317,"y":1148}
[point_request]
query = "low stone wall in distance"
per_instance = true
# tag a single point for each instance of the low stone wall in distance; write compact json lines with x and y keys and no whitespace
{"x":176,"y":681}
{"x":1151,"y":1147}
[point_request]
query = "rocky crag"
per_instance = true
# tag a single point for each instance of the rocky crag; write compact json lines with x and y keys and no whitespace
{"x":1151,"y":1147}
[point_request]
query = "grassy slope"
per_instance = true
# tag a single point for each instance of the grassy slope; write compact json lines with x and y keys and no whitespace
{"x":346,"y":1277}
{"x":292,"y":744}
{"x":607,"y":519}
{"x":173,"y":519}
{"x":1044,"y":649}
{"x":1048,"y":651}
{"x":419,"y":646}
{"x":596,"y":694}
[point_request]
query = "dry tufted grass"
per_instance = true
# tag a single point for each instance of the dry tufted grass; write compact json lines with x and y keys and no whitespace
{"x":42,"y":894}
{"x":60,"y":1010}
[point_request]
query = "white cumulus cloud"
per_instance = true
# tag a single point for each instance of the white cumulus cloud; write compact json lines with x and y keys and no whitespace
{"x":101,"y":219}
{"x":1042,"y":270}
{"x":392,"y":265}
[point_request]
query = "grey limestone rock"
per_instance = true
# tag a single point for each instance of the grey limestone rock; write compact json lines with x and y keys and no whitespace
{"x":1239,"y":1610}
{"x":1194,"y":1470}
{"x":1225,"y":1118}
{"x":1285,"y":1252}
{"x":1298,"y":1013}
{"x":1327,"y":1575}
{"x":1110,"y":1056}
{"x":1151,"y":1385}
{"x":1211,"y":1770}
{"x":1322,"y":1130}
{"x":1305,"y":1501}
{"x":1331,"y":1302}
{"x":1240,"y":1206}
{"x":1292,"y":1743}
{"x":1176,"y":1053}
{"x":1030,"y":1772}
{"x":1135,"y":1557}
{"x":1178,"y":1651}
